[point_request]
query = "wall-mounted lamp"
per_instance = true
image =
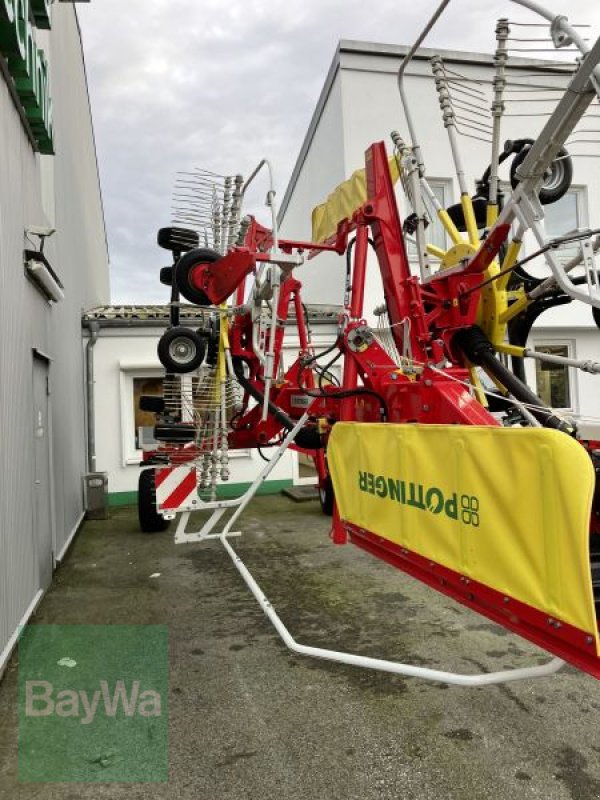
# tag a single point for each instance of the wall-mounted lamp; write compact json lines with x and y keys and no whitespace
{"x":38,"y":268}
{"x":42,"y":274}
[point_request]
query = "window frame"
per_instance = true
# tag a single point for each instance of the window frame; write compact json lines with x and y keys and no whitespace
{"x":570,"y":344}
{"x":128,"y":372}
{"x":447,"y":185}
{"x":580,"y":191}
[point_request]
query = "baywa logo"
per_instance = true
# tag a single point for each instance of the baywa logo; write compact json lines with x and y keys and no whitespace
{"x":421,"y":497}
{"x":42,"y":699}
{"x":93,"y":703}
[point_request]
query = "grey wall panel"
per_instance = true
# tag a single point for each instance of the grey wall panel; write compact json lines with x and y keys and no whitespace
{"x":62,"y":192}
{"x":18,"y":569}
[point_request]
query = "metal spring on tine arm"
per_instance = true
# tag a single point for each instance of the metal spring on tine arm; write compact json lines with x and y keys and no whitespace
{"x":234,"y":211}
{"x":448,"y":118}
{"x":498,"y":107}
{"x":466,"y":98}
{"x":224,"y":442}
{"x":216,"y":222}
{"x":400,"y":149}
{"x":225,"y":215}
{"x":243,"y":230}
{"x":410,"y":176}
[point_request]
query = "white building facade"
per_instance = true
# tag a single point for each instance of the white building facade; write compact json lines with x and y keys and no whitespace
{"x":49,"y":185}
{"x":360,"y":104}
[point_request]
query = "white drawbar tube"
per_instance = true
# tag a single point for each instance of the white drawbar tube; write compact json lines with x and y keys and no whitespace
{"x":456,"y":679}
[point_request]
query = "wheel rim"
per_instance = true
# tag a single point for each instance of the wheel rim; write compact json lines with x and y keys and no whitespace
{"x":554,"y":176}
{"x":182,"y":350}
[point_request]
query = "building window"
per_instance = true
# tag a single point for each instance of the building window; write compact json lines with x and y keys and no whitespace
{"x":135,"y":380}
{"x":435,"y":233}
{"x":144,"y":419}
{"x":566,"y":215}
{"x":554,"y":380}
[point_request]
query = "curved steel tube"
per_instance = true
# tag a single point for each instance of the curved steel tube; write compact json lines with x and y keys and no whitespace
{"x":382,"y":665}
{"x":403,"y":66}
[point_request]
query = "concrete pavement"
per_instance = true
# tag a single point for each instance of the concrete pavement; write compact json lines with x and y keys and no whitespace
{"x":249,"y":719}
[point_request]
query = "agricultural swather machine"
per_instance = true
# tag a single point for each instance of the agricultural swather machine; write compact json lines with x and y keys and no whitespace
{"x":432,"y":454}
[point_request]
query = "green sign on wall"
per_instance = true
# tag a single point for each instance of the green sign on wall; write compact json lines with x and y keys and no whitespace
{"x":28,"y":65}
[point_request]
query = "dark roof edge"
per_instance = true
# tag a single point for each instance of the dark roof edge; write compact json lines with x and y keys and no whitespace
{"x":462,"y":56}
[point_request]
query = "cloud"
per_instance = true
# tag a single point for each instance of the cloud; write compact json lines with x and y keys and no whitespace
{"x":176,"y":84}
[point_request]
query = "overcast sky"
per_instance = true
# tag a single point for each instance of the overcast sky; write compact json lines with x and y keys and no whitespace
{"x":177,"y":84}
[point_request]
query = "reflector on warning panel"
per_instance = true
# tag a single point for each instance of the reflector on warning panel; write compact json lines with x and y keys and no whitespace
{"x":176,"y":489}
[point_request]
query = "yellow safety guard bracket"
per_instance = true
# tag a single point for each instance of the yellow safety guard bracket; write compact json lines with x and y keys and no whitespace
{"x":221,"y":360}
{"x":475,"y":380}
{"x":469,"y":214}
{"x":510,"y":259}
{"x":436,"y":252}
{"x":491,"y":215}
{"x":514,"y":309}
{"x":510,"y":349}
{"x":449,"y":226}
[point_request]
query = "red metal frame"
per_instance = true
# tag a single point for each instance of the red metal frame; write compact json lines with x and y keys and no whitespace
{"x":433,"y":393}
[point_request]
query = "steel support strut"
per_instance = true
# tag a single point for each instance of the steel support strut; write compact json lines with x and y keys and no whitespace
{"x":219,"y":507}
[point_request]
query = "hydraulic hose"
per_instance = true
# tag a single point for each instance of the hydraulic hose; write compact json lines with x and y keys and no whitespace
{"x":480,"y":351}
{"x":307,"y":437}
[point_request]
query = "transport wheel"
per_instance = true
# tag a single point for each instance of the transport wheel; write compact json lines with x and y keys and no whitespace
{"x":596,"y":315}
{"x":150,"y":520}
{"x":326,"y":496}
{"x":557,"y":179}
{"x":181,"y":350}
{"x":184,"y":268}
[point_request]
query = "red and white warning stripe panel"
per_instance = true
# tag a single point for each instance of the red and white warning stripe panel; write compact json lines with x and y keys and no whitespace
{"x":176,"y":489}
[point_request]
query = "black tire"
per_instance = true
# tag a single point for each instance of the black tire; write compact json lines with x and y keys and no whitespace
{"x":177,"y":240}
{"x":181,"y":350}
{"x":150,"y":520}
{"x":557,"y":179}
{"x":596,"y":315}
{"x":183,"y":269}
{"x":326,"y":496}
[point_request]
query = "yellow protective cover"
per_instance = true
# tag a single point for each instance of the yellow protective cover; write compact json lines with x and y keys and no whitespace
{"x":343,"y":202}
{"x":509,"y":508}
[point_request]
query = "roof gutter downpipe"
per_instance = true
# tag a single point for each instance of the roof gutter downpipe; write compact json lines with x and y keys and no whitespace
{"x":94,"y":329}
